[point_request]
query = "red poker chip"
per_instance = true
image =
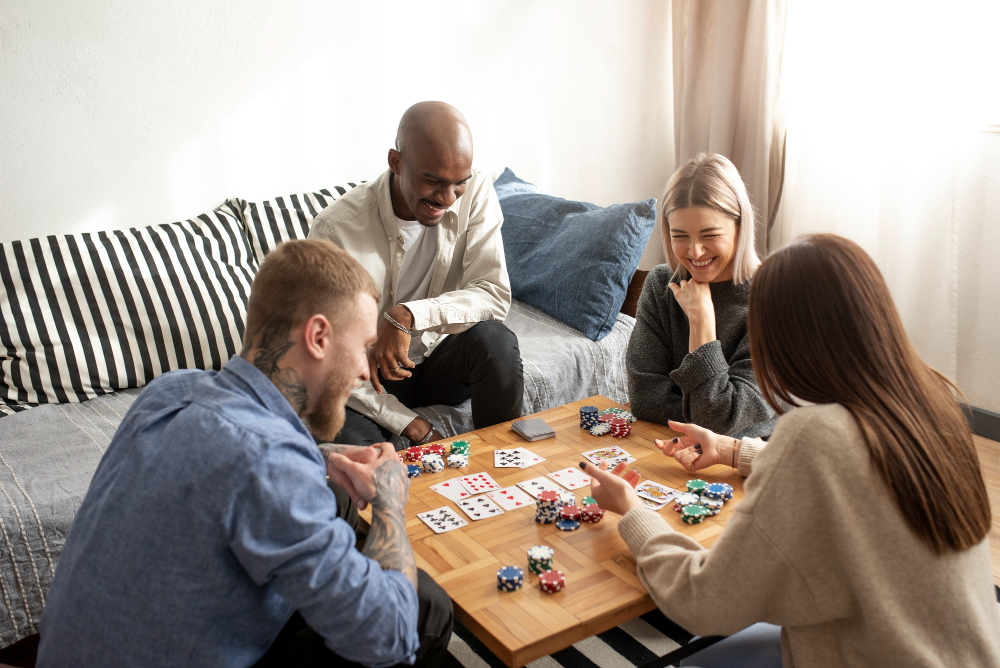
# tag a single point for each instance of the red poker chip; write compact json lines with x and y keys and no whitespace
{"x":435,"y":449}
{"x":591,"y":513}
{"x":570,"y":512}
{"x":548,"y":495}
{"x":607,"y":417}
{"x":551,"y":581}
{"x":413,"y":454}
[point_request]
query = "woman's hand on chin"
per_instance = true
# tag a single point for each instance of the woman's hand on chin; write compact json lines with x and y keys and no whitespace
{"x":695,"y":299}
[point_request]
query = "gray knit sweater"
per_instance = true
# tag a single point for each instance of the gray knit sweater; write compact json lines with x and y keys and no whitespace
{"x":713,"y":386}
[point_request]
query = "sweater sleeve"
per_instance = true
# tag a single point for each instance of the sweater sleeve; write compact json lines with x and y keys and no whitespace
{"x":653,"y":396}
{"x":720,"y":394}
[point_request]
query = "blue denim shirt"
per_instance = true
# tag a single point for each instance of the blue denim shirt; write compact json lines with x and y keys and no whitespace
{"x":208,"y":522}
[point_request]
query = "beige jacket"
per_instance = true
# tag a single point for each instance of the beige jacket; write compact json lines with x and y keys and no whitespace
{"x":469,"y":281}
{"x":820,"y":548}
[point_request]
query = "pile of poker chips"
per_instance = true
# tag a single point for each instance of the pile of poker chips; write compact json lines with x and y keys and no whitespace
{"x":694,"y":514}
{"x":461,"y":448}
{"x":433,"y":463}
{"x":569,"y":518}
{"x":600,"y":429}
{"x":685,"y":499}
{"x":618,"y":412}
{"x":719,"y":490}
{"x":547,"y":507}
{"x":551,"y":581}
{"x":458,"y":461}
{"x":714,"y":506}
{"x":619,"y":427}
{"x":540,"y":559}
{"x":413,"y":455}
{"x":591,"y":514}
{"x":588,"y":417}
{"x":435,"y":449}
{"x":510,"y":578}
{"x":412,"y":470}
{"x":696,"y":486}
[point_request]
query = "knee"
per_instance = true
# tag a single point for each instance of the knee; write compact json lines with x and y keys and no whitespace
{"x":437,"y":618}
{"x":496,"y":342}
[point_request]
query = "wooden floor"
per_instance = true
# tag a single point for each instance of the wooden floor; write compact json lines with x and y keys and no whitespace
{"x":989,"y":459}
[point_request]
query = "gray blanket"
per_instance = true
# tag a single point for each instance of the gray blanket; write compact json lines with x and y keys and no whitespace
{"x":48,"y":454}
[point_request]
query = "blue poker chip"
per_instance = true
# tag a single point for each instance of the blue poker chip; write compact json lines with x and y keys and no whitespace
{"x":719,"y":490}
{"x":412,"y":470}
{"x":567,"y":525}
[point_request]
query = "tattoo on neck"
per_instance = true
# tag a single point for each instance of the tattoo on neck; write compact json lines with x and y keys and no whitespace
{"x":388,"y":543}
{"x":271,"y":347}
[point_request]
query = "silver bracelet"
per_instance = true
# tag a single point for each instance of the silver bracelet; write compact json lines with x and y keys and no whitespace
{"x":395,"y":324}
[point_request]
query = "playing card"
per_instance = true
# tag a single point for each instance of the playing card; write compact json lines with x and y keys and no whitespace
{"x":529,"y":458}
{"x":442,"y":519}
{"x":571,"y":478}
{"x":508,"y":459}
{"x":652,"y":505}
{"x":479,"y":482}
{"x":479,"y":507}
{"x":536,"y":486}
{"x":611,"y":454}
{"x":453,"y":490}
{"x":654,"y":491}
{"x":510,"y":498}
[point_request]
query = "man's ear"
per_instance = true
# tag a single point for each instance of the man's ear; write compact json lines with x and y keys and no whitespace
{"x":317,"y":336}
{"x":394,"y":158}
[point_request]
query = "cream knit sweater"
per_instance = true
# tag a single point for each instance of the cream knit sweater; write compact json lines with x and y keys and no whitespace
{"x":820,"y":548}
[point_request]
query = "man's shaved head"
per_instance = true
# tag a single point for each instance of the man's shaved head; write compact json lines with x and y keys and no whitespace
{"x":431,"y":163}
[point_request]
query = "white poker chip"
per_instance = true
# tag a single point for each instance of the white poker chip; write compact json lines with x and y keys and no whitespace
{"x":600,"y":429}
{"x":687,"y":499}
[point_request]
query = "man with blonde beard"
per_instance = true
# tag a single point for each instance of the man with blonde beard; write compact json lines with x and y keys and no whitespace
{"x":209,"y":535}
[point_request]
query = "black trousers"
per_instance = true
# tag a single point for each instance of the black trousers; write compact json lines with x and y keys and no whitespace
{"x":483,"y":362}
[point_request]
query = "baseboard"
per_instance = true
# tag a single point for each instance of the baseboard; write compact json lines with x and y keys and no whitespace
{"x":983,"y":422}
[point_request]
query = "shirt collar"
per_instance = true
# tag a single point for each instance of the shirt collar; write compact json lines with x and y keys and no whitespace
{"x":264,"y":390}
{"x":385,"y":211}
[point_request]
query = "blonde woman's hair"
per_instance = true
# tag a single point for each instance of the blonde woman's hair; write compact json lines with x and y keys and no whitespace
{"x":712,"y":181}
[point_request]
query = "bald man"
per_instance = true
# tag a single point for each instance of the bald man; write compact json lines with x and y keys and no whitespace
{"x":428,"y":232}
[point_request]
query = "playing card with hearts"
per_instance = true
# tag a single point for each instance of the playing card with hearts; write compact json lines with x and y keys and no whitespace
{"x":536,"y":486}
{"x":511,"y":498}
{"x":611,"y":454}
{"x":507,"y":459}
{"x":453,"y":490}
{"x":571,"y":478}
{"x":654,"y":491}
{"x":479,"y":482}
{"x":479,"y":507}
{"x":442,"y":519}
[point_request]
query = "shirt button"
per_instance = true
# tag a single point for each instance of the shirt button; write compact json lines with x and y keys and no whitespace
{"x":392,"y":293}
{"x":398,"y":254}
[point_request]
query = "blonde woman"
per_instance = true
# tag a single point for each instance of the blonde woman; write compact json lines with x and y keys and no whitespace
{"x":863,"y":530}
{"x":689,"y":356}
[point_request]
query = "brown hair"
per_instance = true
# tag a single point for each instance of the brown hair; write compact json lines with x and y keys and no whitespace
{"x":712,"y":181}
{"x":299,"y":279}
{"x":823,"y":329}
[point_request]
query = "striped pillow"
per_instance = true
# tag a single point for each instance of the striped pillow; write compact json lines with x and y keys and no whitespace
{"x":88,"y":314}
{"x":275,"y":220}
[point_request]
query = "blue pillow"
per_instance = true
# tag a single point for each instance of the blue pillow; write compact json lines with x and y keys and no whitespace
{"x":572,"y":260}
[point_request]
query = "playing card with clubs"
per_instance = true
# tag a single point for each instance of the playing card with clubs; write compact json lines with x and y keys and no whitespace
{"x":611,"y":454}
{"x":511,"y":498}
{"x":571,"y":478}
{"x":479,"y":482}
{"x":529,"y":458}
{"x":442,"y":519}
{"x":654,"y":491}
{"x":508,"y":459}
{"x":453,"y":490}
{"x":536,"y":486}
{"x":479,"y":507}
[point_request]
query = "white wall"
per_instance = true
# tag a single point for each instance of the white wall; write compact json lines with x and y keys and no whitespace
{"x":118,"y":113}
{"x":979,"y":271}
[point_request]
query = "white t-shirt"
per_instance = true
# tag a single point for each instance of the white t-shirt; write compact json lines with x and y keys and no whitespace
{"x":421,"y":245}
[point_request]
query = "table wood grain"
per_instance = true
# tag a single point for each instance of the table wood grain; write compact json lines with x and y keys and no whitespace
{"x":602,"y":589}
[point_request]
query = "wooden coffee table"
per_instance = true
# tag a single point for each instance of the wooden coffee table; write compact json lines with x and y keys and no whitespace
{"x":602,"y":589}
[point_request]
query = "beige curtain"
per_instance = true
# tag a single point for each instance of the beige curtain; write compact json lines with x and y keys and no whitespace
{"x":726,"y":70}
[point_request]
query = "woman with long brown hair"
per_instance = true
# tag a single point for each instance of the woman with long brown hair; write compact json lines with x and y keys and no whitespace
{"x":862,"y":533}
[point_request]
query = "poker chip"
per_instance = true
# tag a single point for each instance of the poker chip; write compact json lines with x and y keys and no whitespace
{"x":696,"y":486}
{"x":714,"y":505}
{"x":570,"y":512}
{"x":547,"y":507}
{"x":460,"y":448}
{"x":588,"y":417}
{"x":435,"y":449}
{"x":686,"y":499}
{"x":719,"y":490}
{"x":412,"y":470}
{"x":587,"y":500}
{"x":618,"y":427}
{"x":606,"y":417}
{"x":551,"y":581}
{"x":432,"y":463}
{"x":540,"y":558}
{"x":413,"y":455}
{"x":567,"y":525}
{"x":458,"y":461}
{"x":600,"y":429}
{"x":619,"y":412}
{"x":591,"y":514}
{"x":567,"y":499}
{"x":694,"y":514}
{"x":510,"y":578}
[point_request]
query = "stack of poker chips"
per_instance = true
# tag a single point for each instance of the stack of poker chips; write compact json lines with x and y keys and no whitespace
{"x":435,"y":449}
{"x":413,"y":455}
{"x":620,"y":427}
{"x":569,"y":518}
{"x":412,"y":470}
{"x":591,"y":514}
{"x":714,"y":506}
{"x":566,"y":499}
{"x":540,"y":559}
{"x":696,"y":486}
{"x":458,"y":461}
{"x":719,"y":490}
{"x":547,"y":507}
{"x":588,"y":417}
{"x":510,"y":578}
{"x":551,"y":581}
{"x":600,"y":429}
{"x":618,"y":412}
{"x":587,"y":500}
{"x":694,"y":514}
{"x":684,"y":500}
{"x":433,"y":463}
{"x":461,"y":448}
